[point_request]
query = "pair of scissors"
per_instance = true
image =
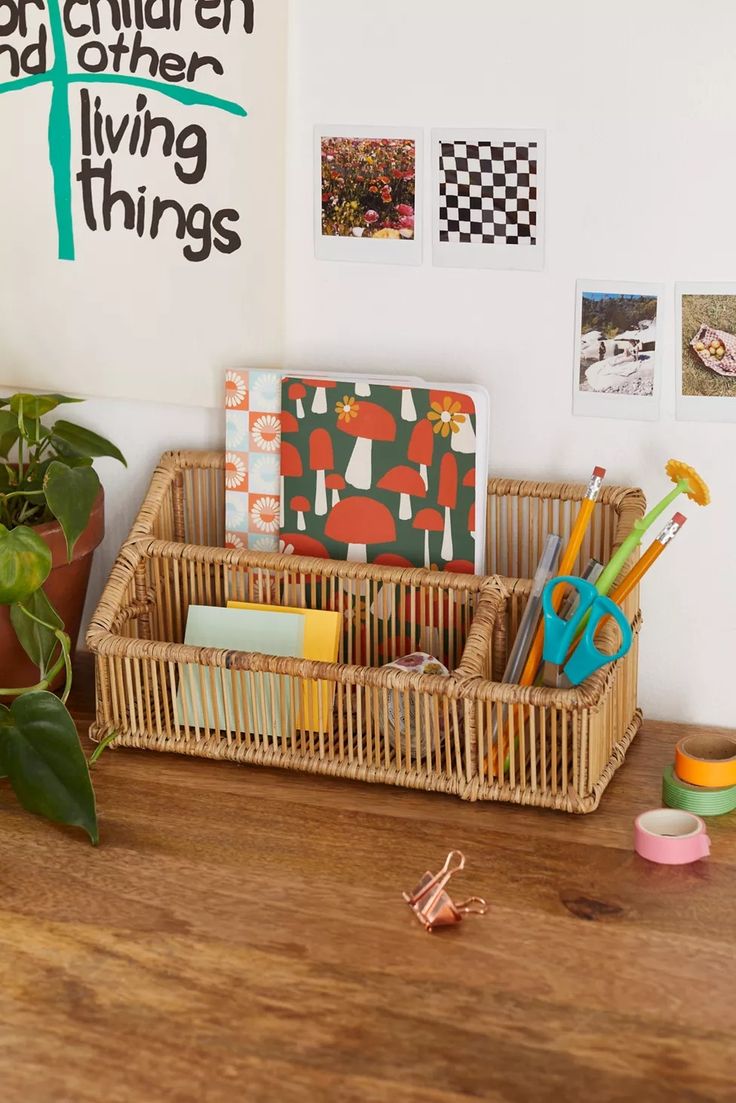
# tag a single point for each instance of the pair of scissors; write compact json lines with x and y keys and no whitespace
{"x":576,"y":663}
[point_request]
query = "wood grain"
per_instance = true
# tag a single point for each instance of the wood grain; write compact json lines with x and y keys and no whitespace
{"x":240,"y":935}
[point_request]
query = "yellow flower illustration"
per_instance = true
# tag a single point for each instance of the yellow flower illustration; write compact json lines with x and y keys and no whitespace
{"x":387,"y":232}
{"x":446,"y":416}
{"x":347,"y":409}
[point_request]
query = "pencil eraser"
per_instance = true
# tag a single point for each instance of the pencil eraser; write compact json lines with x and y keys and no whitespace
{"x":679,"y":518}
{"x":599,"y":472}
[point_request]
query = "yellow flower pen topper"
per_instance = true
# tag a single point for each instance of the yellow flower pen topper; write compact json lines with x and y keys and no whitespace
{"x":687,"y":481}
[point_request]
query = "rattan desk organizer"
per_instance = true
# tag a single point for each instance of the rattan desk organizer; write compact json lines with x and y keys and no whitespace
{"x":413,"y":730}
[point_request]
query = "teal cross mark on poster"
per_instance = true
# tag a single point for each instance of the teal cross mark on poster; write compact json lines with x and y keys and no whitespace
{"x":101,"y":134}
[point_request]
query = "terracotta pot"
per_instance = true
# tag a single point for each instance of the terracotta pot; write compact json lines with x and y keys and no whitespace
{"x":66,"y":589}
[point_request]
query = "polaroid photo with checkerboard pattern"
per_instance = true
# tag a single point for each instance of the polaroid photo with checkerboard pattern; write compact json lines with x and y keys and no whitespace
{"x":488,"y":198}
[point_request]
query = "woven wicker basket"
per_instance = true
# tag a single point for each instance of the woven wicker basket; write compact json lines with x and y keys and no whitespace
{"x":364,"y":722}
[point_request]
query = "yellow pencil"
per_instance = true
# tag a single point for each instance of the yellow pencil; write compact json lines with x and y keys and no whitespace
{"x":649,"y":558}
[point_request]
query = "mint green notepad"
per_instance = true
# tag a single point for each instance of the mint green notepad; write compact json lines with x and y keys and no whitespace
{"x":241,"y":701}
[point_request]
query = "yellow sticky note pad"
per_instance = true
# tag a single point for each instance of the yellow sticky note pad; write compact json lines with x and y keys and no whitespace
{"x":321,"y":644}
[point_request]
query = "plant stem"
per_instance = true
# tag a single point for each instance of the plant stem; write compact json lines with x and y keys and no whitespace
{"x":66,"y":644}
{"x":39,"y":686}
{"x":102,"y":746}
{"x":23,"y":494}
{"x":21,"y":438}
{"x":64,"y":661}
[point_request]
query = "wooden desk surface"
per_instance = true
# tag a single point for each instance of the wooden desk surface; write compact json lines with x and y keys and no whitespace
{"x":240,"y":935}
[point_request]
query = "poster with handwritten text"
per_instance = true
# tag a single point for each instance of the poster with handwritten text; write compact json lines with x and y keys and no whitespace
{"x":141,"y":194}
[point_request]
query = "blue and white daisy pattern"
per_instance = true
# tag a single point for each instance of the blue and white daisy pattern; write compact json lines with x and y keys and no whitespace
{"x":236,"y":429}
{"x":265,"y":471}
{"x":265,"y":391}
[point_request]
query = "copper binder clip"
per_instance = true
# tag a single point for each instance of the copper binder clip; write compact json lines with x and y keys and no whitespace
{"x":432,"y":905}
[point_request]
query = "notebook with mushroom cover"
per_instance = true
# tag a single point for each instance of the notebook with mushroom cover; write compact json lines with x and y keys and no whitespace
{"x":381,"y":473}
{"x":253,"y":490}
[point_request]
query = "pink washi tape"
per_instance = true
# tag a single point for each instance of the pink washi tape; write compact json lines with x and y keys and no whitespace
{"x":671,"y":837}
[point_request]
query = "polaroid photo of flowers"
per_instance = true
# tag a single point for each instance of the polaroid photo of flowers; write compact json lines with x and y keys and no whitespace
{"x":368,"y":191}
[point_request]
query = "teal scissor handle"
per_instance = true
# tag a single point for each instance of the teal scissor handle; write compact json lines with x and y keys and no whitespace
{"x":560,"y":635}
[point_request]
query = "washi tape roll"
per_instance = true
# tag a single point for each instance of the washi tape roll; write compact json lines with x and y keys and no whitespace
{"x":670,"y":837}
{"x":706,"y":760}
{"x":694,"y":798}
{"x":420,"y":662}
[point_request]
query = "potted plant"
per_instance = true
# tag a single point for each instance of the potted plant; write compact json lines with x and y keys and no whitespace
{"x":51,"y":520}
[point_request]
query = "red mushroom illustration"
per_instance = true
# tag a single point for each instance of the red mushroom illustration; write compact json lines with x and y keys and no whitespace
{"x":408,"y":409}
{"x":460,"y":566}
{"x":359,"y":522}
{"x":461,"y":408}
{"x":428,"y":520}
{"x":289,"y":424}
{"x":291,"y":468}
{"x":296,"y":543}
{"x":421,"y":448}
{"x":301,"y":505}
{"x":370,"y":423}
{"x":363,"y":389}
{"x":447,"y":497}
{"x":321,"y":387}
{"x":471,"y":520}
{"x":408,"y":484}
{"x":335,"y":483}
{"x":321,"y":459}
{"x":469,"y":478}
{"x":391,"y":559}
{"x":297,"y":393}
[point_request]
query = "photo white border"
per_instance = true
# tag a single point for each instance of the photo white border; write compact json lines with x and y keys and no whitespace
{"x":369,"y":250}
{"x":692,"y":407}
{"x":450,"y":254}
{"x":631,"y":407}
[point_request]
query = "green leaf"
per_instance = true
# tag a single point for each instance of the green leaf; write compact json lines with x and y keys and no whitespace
{"x":76,"y":461}
{"x":7,"y":440}
{"x":25,"y":563}
{"x":8,"y":422}
{"x":41,"y":754}
{"x":36,"y":405}
{"x":70,"y":494}
{"x":86,"y":443}
{"x":35,"y":430}
{"x":34,"y":476}
{"x":38,"y":642}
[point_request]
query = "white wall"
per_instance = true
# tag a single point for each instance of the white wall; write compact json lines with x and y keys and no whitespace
{"x":638,"y":102}
{"x":654,"y":100}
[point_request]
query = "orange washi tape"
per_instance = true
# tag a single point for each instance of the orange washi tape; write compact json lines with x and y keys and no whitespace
{"x":706,"y":760}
